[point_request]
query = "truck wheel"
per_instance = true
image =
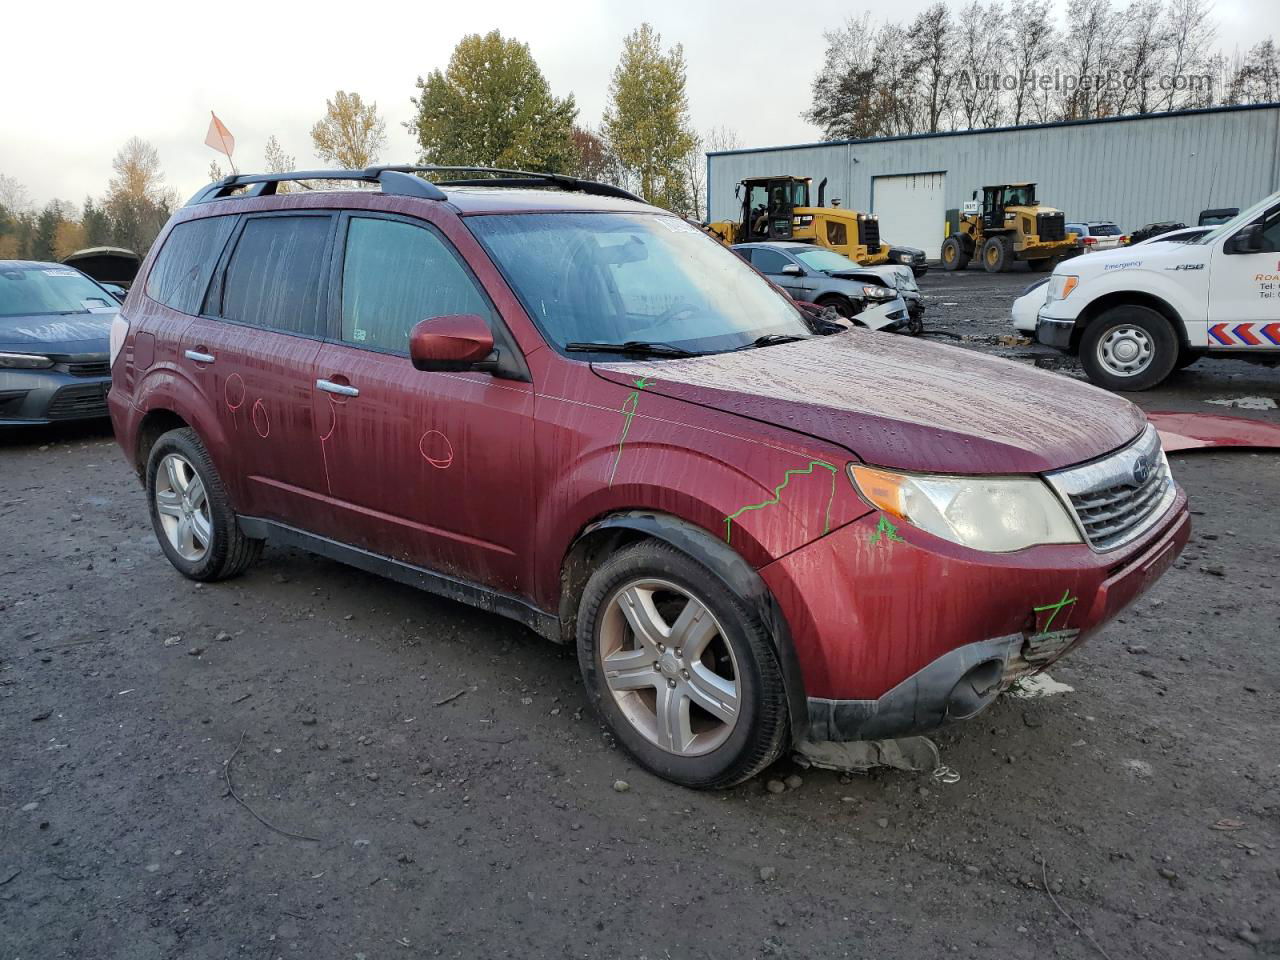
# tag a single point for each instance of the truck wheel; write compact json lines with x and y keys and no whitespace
{"x":953,"y":255}
{"x":681,"y":668}
{"x":995,"y":255}
{"x":1129,"y":348}
{"x":1043,"y":265}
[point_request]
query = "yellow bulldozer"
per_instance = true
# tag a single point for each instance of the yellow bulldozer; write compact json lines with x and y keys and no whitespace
{"x":1007,"y":225}
{"x":777,"y":208}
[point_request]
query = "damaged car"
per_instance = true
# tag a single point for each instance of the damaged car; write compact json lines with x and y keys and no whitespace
{"x":543,"y":397}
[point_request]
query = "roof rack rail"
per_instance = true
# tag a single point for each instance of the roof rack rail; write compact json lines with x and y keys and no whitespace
{"x":399,"y":179}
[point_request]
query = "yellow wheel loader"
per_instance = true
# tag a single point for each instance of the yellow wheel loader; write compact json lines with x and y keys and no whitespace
{"x":777,"y":208}
{"x":1007,"y":225}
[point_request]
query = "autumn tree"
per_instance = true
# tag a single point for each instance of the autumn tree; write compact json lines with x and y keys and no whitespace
{"x":646,"y":122}
{"x":594,"y":160}
{"x":1257,"y":78}
{"x":68,"y":237}
{"x":351,"y":135}
{"x":929,"y":50}
{"x":492,"y":107}
{"x":137,"y":201}
{"x":276,"y":159}
{"x":1032,"y":43}
{"x":981,"y":40}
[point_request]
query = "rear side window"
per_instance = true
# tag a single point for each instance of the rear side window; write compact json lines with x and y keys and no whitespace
{"x":274,"y":278}
{"x":395,"y":274}
{"x":182,"y":269}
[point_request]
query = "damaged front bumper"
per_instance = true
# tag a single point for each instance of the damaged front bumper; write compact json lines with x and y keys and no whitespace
{"x":913,"y":634}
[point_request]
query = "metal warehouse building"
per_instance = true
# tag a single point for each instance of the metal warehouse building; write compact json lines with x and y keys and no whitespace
{"x":1133,"y":170}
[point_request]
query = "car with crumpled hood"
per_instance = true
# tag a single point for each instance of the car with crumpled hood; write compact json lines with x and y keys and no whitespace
{"x":540,"y":396}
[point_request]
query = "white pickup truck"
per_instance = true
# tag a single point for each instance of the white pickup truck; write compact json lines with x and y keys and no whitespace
{"x":1136,"y":314}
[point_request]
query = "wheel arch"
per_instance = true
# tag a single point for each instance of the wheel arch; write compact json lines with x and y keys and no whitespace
{"x":1128,"y":298}
{"x":614,"y":531}
{"x":155,"y":423}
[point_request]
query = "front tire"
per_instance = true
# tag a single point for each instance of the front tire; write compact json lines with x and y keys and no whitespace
{"x":1129,"y":348}
{"x":191,"y":512}
{"x":681,"y":668}
{"x":840,"y":305}
{"x":995,"y":255}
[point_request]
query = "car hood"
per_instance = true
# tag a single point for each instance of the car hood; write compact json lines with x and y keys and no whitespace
{"x":72,"y":333}
{"x":1143,"y":256}
{"x":904,"y":404}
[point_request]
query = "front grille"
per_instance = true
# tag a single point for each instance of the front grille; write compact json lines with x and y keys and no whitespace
{"x":70,"y":403}
{"x":869,"y":233}
{"x":89,"y":368}
{"x":1051,"y":226}
{"x":1119,"y":497}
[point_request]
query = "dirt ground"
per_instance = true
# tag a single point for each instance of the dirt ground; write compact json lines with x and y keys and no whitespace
{"x":421,"y":779}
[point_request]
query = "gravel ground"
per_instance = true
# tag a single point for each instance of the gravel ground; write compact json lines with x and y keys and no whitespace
{"x":410,"y":777}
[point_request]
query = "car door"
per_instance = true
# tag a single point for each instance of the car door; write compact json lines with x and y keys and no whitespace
{"x":1244,"y":290}
{"x":772,"y":263}
{"x":255,"y":346}
{"x":427,"y":468}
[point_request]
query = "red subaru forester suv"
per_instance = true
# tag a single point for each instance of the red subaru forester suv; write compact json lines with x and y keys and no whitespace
{"x":543,"y":397}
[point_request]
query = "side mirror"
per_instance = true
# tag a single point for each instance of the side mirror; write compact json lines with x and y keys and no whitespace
{"x":1246,"y":240}
{"x":792,"y":270}
{"x":461,"y":342}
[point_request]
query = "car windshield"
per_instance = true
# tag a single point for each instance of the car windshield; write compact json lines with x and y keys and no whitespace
{"x":828,"y":261}
{"x":1234,"y":222}
{"x":28,"y":291}
{"x":619,"y":278}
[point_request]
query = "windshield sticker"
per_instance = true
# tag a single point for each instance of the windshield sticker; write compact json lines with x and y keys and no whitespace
{"x":676,"y":225}
{"x":886,"y":531}
{"x":60,"y":273}
{"x":777,"y":496}
{"x":628,"y":412}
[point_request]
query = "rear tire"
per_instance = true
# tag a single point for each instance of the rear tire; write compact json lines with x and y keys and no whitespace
{"x":191,"y":512}
{"x":953,"y":254}
{"x":1129,"y":348}
{"x":651,"y":675}
{"x":995,"y":255}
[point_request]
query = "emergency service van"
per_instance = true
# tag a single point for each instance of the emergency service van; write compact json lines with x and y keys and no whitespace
{"x":1136,"y":314}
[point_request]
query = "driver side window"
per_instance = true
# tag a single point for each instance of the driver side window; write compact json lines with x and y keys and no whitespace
{"x":768,"y":261}
{"x":395,"y":274}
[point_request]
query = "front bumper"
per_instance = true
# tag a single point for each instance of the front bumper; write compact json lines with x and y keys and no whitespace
{"x":34,"y":397}
{"x":896,"y":636}
{"x":1053,"y":332}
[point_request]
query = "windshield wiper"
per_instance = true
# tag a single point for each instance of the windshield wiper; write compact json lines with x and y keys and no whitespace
{"x":637,"y":347}
{"x":769,"y":339}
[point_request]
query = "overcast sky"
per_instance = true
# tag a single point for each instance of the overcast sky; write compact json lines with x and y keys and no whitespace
{"x":80,"y":78}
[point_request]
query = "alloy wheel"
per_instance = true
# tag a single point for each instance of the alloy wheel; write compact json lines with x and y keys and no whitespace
{"x":669,"y":667}
{"x":183,"y":505}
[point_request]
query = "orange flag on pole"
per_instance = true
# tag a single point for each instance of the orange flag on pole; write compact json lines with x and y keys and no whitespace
{"x":219,"y":137}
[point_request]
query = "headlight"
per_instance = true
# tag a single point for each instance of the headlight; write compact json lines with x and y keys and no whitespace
{"x":879,"y":293}
{"x":904,"y":258}
{"x":24,"y":361}
{"x":1060,"y":286}
{"x":993,"y":514}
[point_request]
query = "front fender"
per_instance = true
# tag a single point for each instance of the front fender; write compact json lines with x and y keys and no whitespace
{"x":1164,"y":288}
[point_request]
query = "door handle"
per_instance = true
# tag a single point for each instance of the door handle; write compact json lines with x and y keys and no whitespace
{"x":199,"y":357}
{"x":341,"y":389}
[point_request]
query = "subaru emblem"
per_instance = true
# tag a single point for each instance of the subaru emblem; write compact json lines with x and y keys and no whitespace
{"x":1141,"y":470}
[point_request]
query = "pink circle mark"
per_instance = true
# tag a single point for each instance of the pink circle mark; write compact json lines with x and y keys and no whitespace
{"x":233,"y":384}
{"x":440,"y":446}
{"x":263,"y":428}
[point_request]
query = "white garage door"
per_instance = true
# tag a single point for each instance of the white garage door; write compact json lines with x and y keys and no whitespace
{"x":911,"y":210}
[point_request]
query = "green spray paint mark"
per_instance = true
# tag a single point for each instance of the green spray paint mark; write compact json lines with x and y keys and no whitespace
{"x":885,"y":530}
{"x":777,"y":494}
{"x":1066,"y":601}
{"x":628,"y":412}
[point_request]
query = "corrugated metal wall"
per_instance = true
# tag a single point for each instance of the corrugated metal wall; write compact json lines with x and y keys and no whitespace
{"x":1135,"y":171}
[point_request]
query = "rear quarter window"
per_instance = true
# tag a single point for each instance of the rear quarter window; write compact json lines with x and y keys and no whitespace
{"x":181,"y":272}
